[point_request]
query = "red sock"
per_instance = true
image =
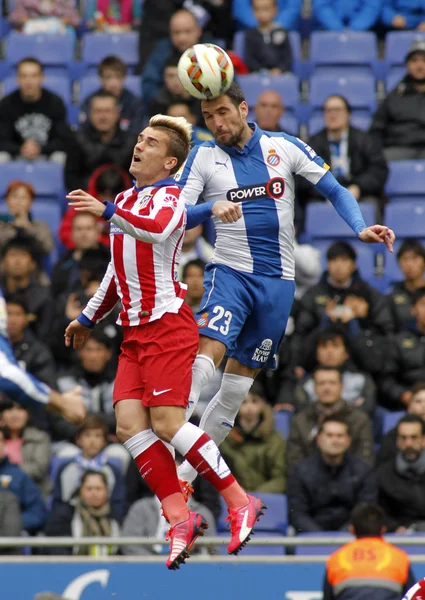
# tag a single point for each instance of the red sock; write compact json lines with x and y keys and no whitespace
{"x":158,"y":469}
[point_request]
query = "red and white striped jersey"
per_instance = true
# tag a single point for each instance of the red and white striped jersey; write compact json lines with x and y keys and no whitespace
{"x":147,"y":228}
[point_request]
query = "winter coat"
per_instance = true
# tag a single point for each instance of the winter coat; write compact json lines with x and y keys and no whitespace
{"x":368,"y":168}
{"x":302,"y":434}
{"x":388,"y":448}
{"x":257,"y":458}
{"x":10,"y":517}
{"x":404,"y":366}
{"x":130,"y":107}
{"x":402,"y":498}
{"x":89,"y":152}
{"x":142,"y":520}
{"x":39,"y":230}
{"x":33,"y":509}
{"x":367,"y":336}
{"x":65,"y":521}
{"x":321,"y":496}
{"x":400,"y":119}
{"x":412,"y":10}
{"x":271,"y":50}
{"x":401,"y":302}
{"x":36,"y":455}
{"x":337,"y":15}
{"x":36,"y":358}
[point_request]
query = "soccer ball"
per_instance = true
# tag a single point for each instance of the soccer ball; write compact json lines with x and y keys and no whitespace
{"x":205,"y":71}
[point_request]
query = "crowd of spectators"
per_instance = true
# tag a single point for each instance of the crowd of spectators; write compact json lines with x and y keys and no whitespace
{"x":350,"y":352}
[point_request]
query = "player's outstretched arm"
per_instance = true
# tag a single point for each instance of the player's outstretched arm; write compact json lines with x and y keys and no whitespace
{"x":226,"y":211}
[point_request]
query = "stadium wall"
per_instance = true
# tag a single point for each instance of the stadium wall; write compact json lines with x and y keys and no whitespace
{"x":208,"y":579}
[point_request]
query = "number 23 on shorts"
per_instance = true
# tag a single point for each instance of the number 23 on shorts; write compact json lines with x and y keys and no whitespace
{"x":220,"y":315}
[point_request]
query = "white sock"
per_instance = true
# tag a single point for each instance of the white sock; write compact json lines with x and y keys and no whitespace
{"x":219,"y":416}
{"x":140,"y":442}
{"x":202,"y":372}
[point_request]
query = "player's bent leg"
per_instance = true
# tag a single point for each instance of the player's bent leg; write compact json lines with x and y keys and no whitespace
{"x":210,"y":354}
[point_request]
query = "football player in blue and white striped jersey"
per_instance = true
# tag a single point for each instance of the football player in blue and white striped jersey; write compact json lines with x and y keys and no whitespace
{"x":246,"y":177}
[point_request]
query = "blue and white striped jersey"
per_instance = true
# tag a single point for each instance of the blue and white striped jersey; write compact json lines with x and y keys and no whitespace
{"x":261,"y":178}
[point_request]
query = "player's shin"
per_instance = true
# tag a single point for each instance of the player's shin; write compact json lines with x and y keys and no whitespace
{"x":202,"y":372}
{"x":202,"y":453}
{"x":156,"y":466}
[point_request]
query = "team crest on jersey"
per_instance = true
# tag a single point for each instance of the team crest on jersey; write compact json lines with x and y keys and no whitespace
{"x":202,"y":321}
{"x":273,"y":159}
{"x":272,"y":189}
{"x":143,"y":200}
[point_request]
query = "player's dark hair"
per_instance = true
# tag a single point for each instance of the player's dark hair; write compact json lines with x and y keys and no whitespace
{"x":411,"y":245}
{"x":368,"y":520}
{"x":112,"y":62}
{"x":330,"y":334}
{"x":334,"y":419}
{"x":235,"y":93}
{"x":18,"y":300}
{"x":341,"y":250}
{"x":412,"y":419}
{"x":102,"y":94}
{"x":25,"y":243}
{"x":30,"y":60}
{"x":326,"y":368}
{"x":196,"y":262}
{"x":418,"y":295}
{"x":343,"y":99}
{"x":418,"y":387}
{"x":91,"y":472}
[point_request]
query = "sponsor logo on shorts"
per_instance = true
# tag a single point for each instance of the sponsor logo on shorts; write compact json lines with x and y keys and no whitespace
{"x":262,"y":353}
{"x":202,"y":321}
{"x":274,"y":188}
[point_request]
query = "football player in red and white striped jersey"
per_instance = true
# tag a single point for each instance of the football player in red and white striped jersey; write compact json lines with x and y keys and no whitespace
{"x":160,"y":337}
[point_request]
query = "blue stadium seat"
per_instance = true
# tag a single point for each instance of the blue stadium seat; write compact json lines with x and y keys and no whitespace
{"x":407,"y":548}
{"x":286,"y":85}
{"x":406,"y":218}
{"x":282,"y":422}
{"x":58,"y":84}
{"x":406,"y":180}
{"x":50,"y":50}
{"x":46,"y":177}
{"x":295,"y":39}
{"x":349,"y":49}
{"x":322,"y":221}
{"x":358,"y":119}
{"x":391,"y":419}
{"x":275,"y":518}
{"x":394,"y":77}
{"x":96,"y":46}
{"x":397,"y":44}
{"x":365,"y":256}
{"x":91,"y":83}
{"x":359,"y":90}
{"x":316,"y":549}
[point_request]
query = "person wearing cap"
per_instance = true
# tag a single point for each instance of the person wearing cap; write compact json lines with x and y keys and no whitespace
{"x":399,"y":122}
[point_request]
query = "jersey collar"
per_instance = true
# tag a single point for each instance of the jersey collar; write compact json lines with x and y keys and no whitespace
{"x":160,"y":183}
{"x":253,"y":141}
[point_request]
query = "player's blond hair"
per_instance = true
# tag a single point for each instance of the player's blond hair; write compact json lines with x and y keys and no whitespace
{"x":179,"y":132}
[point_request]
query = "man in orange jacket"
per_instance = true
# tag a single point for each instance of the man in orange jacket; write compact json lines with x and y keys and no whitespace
{"x":368,"y":568}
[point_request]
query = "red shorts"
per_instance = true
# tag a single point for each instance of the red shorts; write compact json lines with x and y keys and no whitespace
{"x":155,"y":364}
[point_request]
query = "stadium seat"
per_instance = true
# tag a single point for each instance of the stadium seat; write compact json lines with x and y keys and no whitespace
{"x":286,"y":85}
{"x":96,"y":46}
{"x":397,"y":44}
{"x":406,"y":218}
{"x":282,"y":422}
{"x":358,"y":119}
{"x":46,"y":177}
{"x":275,"y":518}
{"x":50,"y":50}
{"x":406,"y":180}
{"x":365,"y":256}
{"x":59,"y":84}
{"x":317,"y":549}
{"x":394,"y":77}
{"x":91,"y":83}
{"x":322,"y":221}
{"x":359,"y":90}
{"x":391,"y":419}
{"x":348,"y":49}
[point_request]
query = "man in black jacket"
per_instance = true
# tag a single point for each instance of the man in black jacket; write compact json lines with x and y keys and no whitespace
{"x":405,"y":364}
{"x":355,"y":159}
{"x":324,"y":487}
{"x":399,"y":123}
{"x":100,"y":141}
{"x":342,"y":297}
{"x":33,"y":119}
{"x":401,"y":481}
